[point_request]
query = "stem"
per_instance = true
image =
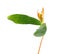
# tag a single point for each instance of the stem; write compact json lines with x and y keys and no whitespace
{"x":40,"y":44}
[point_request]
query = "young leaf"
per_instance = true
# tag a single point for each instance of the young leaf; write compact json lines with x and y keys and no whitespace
{"x":41,"y":31}
{"x":23,"y":19}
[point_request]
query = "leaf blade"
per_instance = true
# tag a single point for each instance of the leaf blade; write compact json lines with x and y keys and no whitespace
{"x":23,"y":19}
{"x":41,"y":31}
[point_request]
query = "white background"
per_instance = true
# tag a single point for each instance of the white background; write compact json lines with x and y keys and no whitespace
{"x":19,"y":39}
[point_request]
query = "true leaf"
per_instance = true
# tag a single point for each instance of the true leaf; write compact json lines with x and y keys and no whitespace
{"x":41,"y":31}
{"x":23,"y":19}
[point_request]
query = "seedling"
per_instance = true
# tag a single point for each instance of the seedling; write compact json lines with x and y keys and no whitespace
{"x":25,"y":19}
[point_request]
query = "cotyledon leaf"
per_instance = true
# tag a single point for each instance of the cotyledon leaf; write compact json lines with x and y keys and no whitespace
{"x":23,"y":19}
{"x":41,"y":31}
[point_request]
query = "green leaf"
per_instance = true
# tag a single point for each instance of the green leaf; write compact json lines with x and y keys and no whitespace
{"x":23,"y":19}
{"x":41,"y":31}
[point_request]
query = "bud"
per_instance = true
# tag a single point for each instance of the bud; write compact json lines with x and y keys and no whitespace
{"x":41,"y":15}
